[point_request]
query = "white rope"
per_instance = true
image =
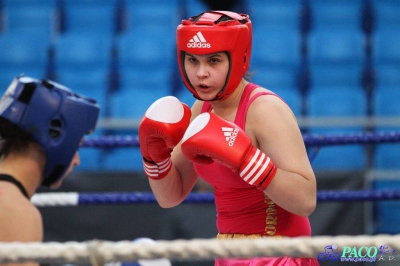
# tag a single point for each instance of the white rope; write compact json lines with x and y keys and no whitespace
{"x":98,"y":252}
{"x":55,"y":199}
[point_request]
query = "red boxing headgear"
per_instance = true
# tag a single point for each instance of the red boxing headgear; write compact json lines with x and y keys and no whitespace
{"x":214,"y":32}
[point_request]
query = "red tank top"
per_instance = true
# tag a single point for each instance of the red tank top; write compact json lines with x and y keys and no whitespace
{"x":242,"y":208}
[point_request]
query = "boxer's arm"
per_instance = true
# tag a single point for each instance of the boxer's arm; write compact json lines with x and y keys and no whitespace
{"x":273,"y":128}
{"x":22,"y":222}
{"x":160,"y":130}
{"x":174,"y":188}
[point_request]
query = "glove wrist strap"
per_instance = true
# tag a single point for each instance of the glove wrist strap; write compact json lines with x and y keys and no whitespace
{"x":258,"y":169}
{"x":157,"y":171}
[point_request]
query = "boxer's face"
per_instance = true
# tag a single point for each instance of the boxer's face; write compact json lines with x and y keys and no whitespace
{"x":74,"y":162}
{"x":207,"y":73}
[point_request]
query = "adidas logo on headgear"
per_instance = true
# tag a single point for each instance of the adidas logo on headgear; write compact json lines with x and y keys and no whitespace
{"x":230,"y":134}
{"x":198,"y":41}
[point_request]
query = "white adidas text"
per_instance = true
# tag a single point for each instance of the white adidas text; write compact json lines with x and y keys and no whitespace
{"x":198,"y":45}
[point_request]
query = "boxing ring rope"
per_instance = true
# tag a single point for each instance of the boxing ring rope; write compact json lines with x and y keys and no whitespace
{"x":52,"y":199}
{"x":74,"y":198}
{"x":309,"y":139}
{"x":97,"y":252}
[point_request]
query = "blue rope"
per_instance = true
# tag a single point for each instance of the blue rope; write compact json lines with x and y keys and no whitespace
{"x":136,"y":197}
{"x":111,"y":141}
{"x":358,"y":195}
{"x":206,"y":197}
{"x":309,"y":140}
{"x":356,"y":138}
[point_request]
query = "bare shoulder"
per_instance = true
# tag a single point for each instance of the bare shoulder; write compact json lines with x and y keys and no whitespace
{"x":270,"y":121}
{"x":269,"y":107}
{"x":19,"y":219}
{"x":273,"y":128}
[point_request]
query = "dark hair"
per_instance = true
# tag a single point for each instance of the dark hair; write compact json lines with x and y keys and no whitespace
{"x":12,"y":138}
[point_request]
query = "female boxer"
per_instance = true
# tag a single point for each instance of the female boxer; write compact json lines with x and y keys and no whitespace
{"x":243,"y":140}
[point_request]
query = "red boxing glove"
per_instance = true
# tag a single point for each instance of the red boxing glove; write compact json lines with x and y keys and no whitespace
{"x":210,"y":138}
{"x":160,"y":130}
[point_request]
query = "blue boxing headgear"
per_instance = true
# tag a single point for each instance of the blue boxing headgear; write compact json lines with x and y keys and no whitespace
{"x":54,"y":116}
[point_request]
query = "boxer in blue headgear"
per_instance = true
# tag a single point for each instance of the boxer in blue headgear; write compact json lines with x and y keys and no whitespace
{"x":54,"y":116}
{"x":42,"y":125}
